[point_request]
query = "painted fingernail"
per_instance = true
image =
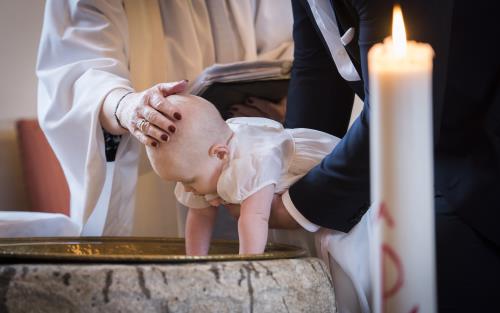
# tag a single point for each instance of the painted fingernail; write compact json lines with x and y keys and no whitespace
{"x":164,"y":137}
{"x":171,"y":129}
{"x":249,"y":101}
{"x":177,"y":116}
{"x":154,"y":144}
{"x":186,"y":80}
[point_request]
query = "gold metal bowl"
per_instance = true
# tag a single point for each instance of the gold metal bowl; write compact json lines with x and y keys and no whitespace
{"x":129,"y":249}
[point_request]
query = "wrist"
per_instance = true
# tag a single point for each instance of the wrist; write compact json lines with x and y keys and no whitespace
{"x":111,"y":109}
{"x":119,"y":108}
{"x":296,"y":215}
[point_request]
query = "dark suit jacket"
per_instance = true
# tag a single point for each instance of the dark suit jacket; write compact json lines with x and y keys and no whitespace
{"x":466,"y":103}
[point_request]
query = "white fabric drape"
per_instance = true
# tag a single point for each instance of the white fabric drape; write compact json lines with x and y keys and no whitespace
{"x":83,"y":55}
{"x":35,"y":224}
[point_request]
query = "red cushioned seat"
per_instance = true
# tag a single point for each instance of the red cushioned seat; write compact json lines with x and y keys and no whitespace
{"x":44,"y":179}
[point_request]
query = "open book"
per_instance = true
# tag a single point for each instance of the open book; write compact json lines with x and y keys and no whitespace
{"x":228,"y":84}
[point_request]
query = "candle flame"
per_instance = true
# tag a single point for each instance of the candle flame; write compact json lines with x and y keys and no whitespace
{"x":398,"y":32}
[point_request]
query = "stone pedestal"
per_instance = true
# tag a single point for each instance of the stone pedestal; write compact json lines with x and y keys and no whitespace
{"x":285,"y":285}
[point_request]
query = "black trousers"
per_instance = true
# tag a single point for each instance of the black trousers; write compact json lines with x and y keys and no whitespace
{"x":468,"y":268}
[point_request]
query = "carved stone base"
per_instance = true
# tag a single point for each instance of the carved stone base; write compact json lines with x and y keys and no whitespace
{"x":288,"y":285}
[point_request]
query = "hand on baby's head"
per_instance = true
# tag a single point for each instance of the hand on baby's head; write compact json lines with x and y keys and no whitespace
{"x":188,"y":153}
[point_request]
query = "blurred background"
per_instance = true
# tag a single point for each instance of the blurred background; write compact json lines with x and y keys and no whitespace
{"x":20,"y":28}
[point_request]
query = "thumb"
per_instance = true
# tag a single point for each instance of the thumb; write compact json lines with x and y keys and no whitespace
{"x":168,"y":89}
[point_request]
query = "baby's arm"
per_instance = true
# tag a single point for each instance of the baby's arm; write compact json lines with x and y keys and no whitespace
{"x":199,"y":226}
{"x":253,"y":223}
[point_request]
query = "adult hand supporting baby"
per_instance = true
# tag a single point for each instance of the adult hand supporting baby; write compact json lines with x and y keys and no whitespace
{"x":280,"y":218}
{"x":257,"y":107}
{"x":148,"y":115}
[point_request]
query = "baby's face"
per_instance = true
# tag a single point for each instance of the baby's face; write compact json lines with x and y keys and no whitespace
{"x":199,"y":177}
{"x":202,"y":180}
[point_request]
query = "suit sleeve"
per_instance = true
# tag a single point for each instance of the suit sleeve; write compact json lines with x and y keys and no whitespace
{"x":318,"y":97}
{"x":336,"y":193}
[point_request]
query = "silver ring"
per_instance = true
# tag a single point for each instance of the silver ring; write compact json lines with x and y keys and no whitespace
{"x":141,"y":124}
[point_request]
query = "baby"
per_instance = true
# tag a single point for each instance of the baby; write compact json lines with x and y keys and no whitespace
{"x":241,"y":161}
{"x":245,"y":161}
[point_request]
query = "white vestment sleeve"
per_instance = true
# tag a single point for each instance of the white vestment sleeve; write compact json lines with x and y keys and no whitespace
{"x":278,"y":43}
{"x":82,"y":57}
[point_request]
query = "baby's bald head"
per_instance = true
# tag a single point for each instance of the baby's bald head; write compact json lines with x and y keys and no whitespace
{"x":201,"y":127}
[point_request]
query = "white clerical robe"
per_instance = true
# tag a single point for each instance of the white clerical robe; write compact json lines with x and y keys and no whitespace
{"x":84,"y":54}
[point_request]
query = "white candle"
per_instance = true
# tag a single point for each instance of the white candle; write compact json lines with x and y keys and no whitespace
{"x":402,"y":173}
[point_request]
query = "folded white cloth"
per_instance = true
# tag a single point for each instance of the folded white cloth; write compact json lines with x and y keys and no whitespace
{"x":36,"y":224}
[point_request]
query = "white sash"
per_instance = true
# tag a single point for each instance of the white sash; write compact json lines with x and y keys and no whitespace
{"x":324,"y":15}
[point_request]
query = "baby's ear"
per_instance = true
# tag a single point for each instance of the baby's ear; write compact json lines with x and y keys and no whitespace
{"x":219,"y":151}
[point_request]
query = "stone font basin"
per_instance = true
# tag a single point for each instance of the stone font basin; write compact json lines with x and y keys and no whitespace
{"x":118,"y":274}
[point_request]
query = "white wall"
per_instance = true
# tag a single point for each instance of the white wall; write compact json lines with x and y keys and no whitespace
{"x":20,"y":26}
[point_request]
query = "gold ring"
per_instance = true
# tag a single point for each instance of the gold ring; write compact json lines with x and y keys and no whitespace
{"x":141,"y":124}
